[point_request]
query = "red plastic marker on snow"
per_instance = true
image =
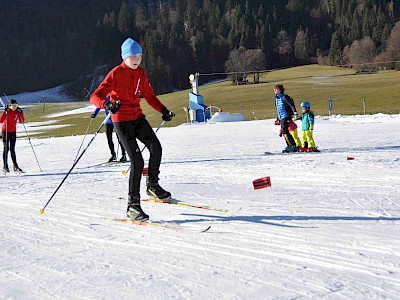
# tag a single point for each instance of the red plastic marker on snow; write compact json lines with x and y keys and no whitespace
{"x":350,"y":158}
{"x":145,"y":171}
{"x":262,"y":183}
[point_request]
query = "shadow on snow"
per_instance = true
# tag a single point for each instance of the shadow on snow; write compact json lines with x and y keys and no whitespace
{"x":267,"y":220}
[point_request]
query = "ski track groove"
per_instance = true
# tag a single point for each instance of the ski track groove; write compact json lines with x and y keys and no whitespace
{"x":72,"y":235}
{"x":67,"y":233}
{"x":238,"y":252}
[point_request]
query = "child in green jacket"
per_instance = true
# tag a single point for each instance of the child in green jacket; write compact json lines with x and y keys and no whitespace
{"x":308,"y":144}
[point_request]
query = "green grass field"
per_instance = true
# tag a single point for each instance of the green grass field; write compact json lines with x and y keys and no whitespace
{"x":313,"y":83}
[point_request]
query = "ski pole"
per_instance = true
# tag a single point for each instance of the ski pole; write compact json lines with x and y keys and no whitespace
{"x":29,"y":139}
{"x":73,"y":166}
{"x":2,"y":103}
{"x":159,"y":126}
{"x":6,"y":137}
{"x":117,"y":153}
{"x":84,"y":137}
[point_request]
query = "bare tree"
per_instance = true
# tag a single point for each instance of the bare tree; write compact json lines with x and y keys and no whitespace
{"x":241,"y":61}
{"x":382,"y":60}
{"x":255,"y":61}
{"x":393,"y":44}
{"x":361,"y":53}
{"x":392,"y":52}
{"x":237,"y":64}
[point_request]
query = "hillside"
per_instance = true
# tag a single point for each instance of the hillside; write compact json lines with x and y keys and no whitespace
{"x":313,"y":83}
{"x":47,"y":43}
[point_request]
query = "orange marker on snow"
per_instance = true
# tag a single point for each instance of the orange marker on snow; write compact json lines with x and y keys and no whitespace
{"x":262,"y":183}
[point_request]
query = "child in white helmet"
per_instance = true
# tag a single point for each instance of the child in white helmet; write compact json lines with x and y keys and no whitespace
{"x":308,"y":144}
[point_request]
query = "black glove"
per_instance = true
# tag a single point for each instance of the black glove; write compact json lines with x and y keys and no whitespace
{"x":167,"y":115}
{"x":296,"y":116}
{"x":6,"y":108}
{"x":93,"y":115}
{"x":112,"y":106}
{"x":19,"y":109}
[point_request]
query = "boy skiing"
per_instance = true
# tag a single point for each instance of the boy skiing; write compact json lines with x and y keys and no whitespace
{"x":308,"y":127}
{"x":10,"y":116}
{"x":124,"y":84}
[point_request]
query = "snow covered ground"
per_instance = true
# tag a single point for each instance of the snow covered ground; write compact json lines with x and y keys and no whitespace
{"x":327,"y":228}
{"x":55,"y":94}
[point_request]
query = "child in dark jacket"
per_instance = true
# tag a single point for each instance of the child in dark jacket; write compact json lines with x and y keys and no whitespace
{"x":285,"y":112}
{"x":109,"y":134}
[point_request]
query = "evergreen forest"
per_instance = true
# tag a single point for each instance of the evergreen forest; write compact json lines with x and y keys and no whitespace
{"x":45,"y":43}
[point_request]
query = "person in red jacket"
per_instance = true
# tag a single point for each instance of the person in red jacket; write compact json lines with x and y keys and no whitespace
{"x":10,"y":116}
{"x":124,"y":84}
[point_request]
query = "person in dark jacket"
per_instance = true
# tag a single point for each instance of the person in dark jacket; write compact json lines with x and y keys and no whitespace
{"x":285,"y":112}
{"x":109,"y":134}
{"x":10,"y":116}
{"x":124,"y":84}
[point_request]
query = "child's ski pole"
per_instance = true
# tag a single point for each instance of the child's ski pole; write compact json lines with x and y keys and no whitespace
{"x":84,"y":137}
{"x":73,"y":166}
{"x":29,"y":139}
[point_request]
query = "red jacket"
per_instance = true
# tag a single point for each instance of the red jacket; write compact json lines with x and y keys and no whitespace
{"x":126,"y":84}
{"x":9,"y":119}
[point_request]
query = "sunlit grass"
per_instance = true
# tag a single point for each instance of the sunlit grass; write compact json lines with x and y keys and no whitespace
{"x":312,"y":83}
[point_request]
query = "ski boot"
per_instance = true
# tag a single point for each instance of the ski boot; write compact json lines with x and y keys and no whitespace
{"x":112,"y":158}
{"x":155,"y":190}
{"x":123,"y":158}
{"x":6,"y":170}
{"x":289,"y":149}
{"x":17,"y":169}
{"x":305,"y":147}
{"x":134,"y":210}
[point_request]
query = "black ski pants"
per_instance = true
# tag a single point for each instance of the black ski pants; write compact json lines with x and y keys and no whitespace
{"x":128,"y":132}
{"x":9,"y":140}
{"x":109,"y":134}
{"x":285,"y":132}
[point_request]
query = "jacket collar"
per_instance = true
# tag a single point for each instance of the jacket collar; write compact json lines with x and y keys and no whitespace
{"x":123,"y":65}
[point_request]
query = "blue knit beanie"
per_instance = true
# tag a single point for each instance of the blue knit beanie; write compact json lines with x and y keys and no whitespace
{"x":130,"y":47}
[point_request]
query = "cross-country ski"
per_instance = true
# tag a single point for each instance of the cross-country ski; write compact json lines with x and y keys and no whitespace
{"x":163,"y":225}
{"x":186,"y":204}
